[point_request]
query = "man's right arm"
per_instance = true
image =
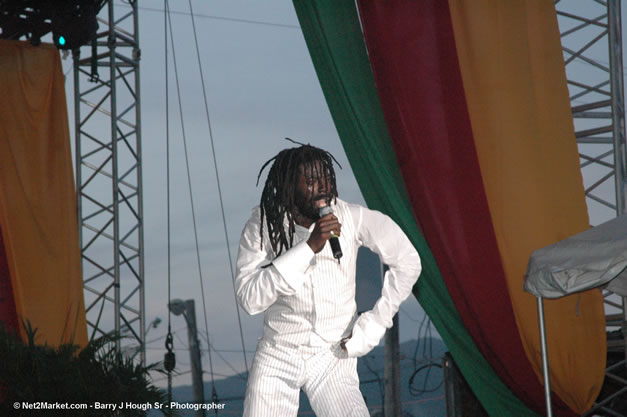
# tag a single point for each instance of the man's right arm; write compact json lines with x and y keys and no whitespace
{"x":259,"y":283}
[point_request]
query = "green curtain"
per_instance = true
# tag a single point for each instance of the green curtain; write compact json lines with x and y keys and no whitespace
{"x":336,"y":45}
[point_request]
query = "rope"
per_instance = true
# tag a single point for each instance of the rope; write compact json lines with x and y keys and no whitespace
{"x":215,"y":164}
{"x":169,"y":360}
{"x":191,"y":193}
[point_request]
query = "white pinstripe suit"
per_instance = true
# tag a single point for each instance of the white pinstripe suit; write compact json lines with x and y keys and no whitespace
{"x":309,"y":305}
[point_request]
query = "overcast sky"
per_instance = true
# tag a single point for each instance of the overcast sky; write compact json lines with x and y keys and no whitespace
{"x":261,"y":87}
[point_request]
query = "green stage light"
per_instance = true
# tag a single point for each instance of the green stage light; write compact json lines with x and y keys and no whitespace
{"x":74,"y":25}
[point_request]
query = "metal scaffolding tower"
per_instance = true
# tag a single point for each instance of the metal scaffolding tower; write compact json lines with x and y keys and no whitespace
{"x":592,"y":45}
{"x":109,"y":179}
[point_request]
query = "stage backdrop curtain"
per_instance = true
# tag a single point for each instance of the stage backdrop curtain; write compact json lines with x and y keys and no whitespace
{"x":519,"y":109}
{"x":413,"y":52}
{"x":333,"y":36}
{"x":37,"y":197}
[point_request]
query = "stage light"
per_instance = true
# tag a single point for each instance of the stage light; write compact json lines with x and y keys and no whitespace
{"x":74,"y":26}
{"x":72,"y":22}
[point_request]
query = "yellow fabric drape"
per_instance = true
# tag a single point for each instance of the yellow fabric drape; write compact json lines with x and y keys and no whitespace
{"x":515,"y":84}
{"x":37,"y":196}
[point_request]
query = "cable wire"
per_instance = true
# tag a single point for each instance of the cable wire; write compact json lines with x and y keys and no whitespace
{"x":379,"y":380}
{"x":218,"y":352}
{"x":167,"y":164}
{"x":215,"y":164}
{"x":228,"y":19}
{"x":424,"y":343}
{"x":189,"y":183}
{"x":169,"y":360}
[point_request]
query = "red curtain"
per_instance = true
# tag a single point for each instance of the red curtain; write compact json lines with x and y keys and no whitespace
{"x":8,"y":314}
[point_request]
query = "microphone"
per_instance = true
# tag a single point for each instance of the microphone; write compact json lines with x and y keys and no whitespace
{"x":334,"y":241}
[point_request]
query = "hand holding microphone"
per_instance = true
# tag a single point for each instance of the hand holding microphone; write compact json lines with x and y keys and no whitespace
{"x":327,"y":228}
{"x":333,"y":240}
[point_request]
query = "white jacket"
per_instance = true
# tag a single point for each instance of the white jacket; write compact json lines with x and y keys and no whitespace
{"x":309,"y":298}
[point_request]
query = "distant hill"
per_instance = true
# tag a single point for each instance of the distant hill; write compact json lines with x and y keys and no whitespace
{"x":231,"y":390}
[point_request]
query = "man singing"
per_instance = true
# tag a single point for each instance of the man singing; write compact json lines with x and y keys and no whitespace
{"x":285,"y":269}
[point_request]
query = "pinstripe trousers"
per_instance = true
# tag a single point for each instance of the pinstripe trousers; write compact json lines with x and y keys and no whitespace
{"x":325,"y":373}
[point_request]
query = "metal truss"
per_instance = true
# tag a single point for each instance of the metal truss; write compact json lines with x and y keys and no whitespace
{"x":109,"y":179}
{"x":592,"y":45}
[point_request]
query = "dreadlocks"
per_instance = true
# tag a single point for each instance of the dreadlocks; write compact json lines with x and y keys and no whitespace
{"x":277,"y":198}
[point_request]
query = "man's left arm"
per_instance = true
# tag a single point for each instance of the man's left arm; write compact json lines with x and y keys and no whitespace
{"x":383,"y":236}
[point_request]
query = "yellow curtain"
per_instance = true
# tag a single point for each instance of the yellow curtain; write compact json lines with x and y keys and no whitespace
{"x":37,"y":196}
{"x":514,"y":80}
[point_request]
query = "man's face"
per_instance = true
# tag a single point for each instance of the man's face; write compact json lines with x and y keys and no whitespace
{"x":312,"y":189}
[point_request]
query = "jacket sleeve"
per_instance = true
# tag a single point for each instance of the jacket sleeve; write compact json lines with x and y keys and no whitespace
{"x":261,"y":280}
{"x":383,"y":236}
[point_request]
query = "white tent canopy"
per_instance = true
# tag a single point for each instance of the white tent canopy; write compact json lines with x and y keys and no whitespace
{"x":590,"y":259}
